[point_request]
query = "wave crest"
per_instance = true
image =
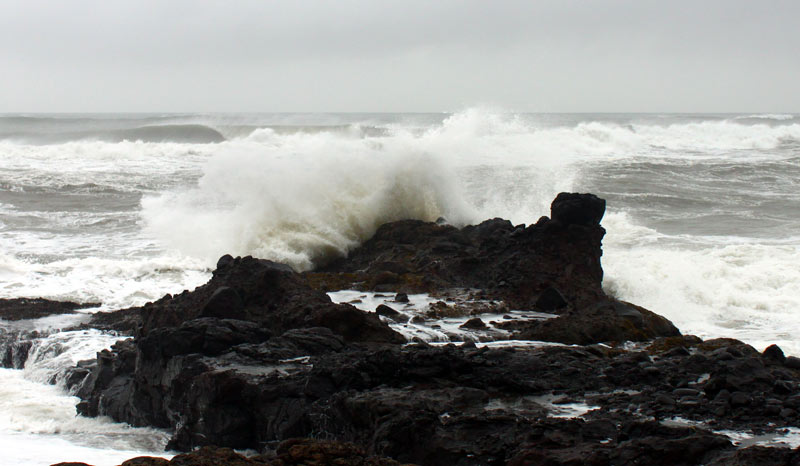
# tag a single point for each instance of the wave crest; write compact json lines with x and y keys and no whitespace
{"x":302,"y":199}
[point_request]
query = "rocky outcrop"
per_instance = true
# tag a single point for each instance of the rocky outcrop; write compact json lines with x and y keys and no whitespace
{"x":260,"y":356}
{"x":469,"y":406}
{"x":608,"y":321}
{"x":198,"y":357}
{"x":516,"y":264}
{"x":268,"y":294}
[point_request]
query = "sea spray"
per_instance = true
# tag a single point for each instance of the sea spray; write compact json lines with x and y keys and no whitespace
{"x":302,"y":199}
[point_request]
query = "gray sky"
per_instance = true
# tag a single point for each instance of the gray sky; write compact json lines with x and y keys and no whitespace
{"x":409,"y":55}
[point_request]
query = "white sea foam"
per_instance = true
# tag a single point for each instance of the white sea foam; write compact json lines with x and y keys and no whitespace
{"x":298,"y":198}
{"x":302,"y":197}
{"x":38,"y":421}
{"x":116,"y":283}
{"x":38,"y":425}
{"x":746,"y":290}
{"x":124,"y":166}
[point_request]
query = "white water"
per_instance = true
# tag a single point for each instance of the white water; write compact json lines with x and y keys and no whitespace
{"x":447,"y":329}
{"x":38,"y":421}
{"x":38,"y":426}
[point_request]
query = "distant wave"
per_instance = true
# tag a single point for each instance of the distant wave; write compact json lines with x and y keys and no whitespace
{"x":257,"y":133}
{"x":178,"y":133}
{"x":165,"y":133}
{"x":767,"y":116}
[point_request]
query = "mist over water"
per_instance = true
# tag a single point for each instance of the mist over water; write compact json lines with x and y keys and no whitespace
{"x":702,"y":209}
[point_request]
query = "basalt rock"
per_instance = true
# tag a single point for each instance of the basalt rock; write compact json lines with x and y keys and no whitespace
{"x":266,"y":293}
{"x":258,"y":358}
{"x":34,"y":308}
{"x":517,"y":264}
{"x":607,"y":321}
{"x":255,"y":317}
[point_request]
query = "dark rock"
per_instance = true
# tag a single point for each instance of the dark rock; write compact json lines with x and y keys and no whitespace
{"x":550,"y":300}
{"x":386,"y":311}
{"x":125,"y":321}
{"x":577,"y":209}
{"x":740,"y":399}
{"x":602,"y":323}
{"x":294,"y":452}
{"x":224,"y":303}
{"x":679,"y":351}
{"x":758,"y":456}
{"x":307,"y":452}
{"x":146,"y":461}
{"x":475,"y":323}
{"x":35,"y":308}
{"x":516,"y":268}
{"x":269,"y":294}
{"x":774,"y":353}
{"x":292,"y":364}
{"x":686,"y":392}
{"x":401,"y":298}
{"x":225,"y":261}
{"x":792,"y":362}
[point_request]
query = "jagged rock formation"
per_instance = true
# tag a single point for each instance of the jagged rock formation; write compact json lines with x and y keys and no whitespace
{"x":259,"y":356}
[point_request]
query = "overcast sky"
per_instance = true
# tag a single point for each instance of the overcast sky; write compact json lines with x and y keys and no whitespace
{"x":408,"y":55}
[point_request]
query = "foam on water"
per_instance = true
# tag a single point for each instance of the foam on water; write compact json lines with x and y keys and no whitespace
{"x":444,"y":330}
{"x":744,"y":289}
{"x":116,"y":283}
{"x":39,"y":426}
{"x":38,"y":421}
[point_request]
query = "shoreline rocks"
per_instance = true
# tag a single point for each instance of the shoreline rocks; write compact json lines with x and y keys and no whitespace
{"x":260,"y":356}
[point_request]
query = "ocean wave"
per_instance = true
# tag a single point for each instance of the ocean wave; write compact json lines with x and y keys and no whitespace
{"x":126,"y":166}
{"x":303,"y":197}
{"x":115,"y":282}
{"x":710,"y":287}
{"x":176,"y":133}
{"x":766,"y":116}
{"x":164,"y":133}
{"x":301,"y":204}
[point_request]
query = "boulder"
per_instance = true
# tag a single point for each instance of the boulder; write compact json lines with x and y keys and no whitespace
{"x":577,"y":209}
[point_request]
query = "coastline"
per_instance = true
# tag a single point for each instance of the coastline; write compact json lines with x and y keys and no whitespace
{"x":261,"y":355}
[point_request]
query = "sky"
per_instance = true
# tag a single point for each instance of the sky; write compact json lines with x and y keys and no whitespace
{"x":399,"y":56}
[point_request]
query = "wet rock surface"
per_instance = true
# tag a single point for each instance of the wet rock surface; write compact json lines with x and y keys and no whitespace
{"x":35,"y":308}
{"x":516,"y":264}
{"x":260,"y":356}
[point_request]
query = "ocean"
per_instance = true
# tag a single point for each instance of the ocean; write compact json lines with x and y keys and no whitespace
{"x":702,"y":218}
